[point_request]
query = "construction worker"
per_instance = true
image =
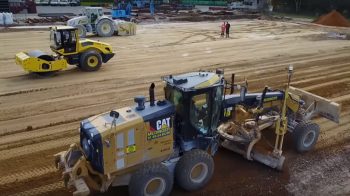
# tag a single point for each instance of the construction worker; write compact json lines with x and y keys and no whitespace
{"x":228,"y":30}
{"x":223,"y":27}
{"x":151,"y":7}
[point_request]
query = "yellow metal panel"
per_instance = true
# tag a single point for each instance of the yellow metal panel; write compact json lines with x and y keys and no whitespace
{"x":293,"y":102}
{"x":213,"y":80}
{"x":100,"y":46}
{"x":33,"y":64}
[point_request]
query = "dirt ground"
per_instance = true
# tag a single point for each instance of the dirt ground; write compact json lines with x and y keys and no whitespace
{"x":40,"y":117}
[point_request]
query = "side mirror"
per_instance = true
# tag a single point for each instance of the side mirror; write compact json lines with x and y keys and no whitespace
{"x":243,"y":92}
{"x":114,"y":114}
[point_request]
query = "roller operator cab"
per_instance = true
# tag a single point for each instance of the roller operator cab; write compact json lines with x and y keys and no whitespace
{"x":153,"y":144}
{"x":87,"y":54}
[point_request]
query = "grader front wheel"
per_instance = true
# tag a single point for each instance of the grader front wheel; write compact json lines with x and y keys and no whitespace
{"x":90,"y":61}
{"x":153,"y":179}
{"x":194,"y":170}
{"x":305,"y":136}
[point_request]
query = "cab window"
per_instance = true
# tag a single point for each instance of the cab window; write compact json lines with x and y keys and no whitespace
{"x":100,"y":12}
{"x":56,"y":39}
{"x":217,"y":95}
{"x":69,"y":38}
{"x":175,"y":97}
{"x":199,"y":112}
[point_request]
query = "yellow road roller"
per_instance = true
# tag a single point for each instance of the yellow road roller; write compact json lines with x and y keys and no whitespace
{"x":87,"y":54}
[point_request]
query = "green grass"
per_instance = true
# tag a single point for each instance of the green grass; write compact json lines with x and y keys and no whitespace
{"x":292,"y":15}
{"x":91,"y":3}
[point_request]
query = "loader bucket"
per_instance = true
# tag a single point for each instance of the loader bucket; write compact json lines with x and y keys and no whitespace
{"x":318,"y":105}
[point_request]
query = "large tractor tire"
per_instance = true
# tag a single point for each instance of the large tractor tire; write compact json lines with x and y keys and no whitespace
{"x":90,"y":61}
{"x":194,"y":170}
{"x":152,"y":179}
{"x":105,"y":28}
{"x":81,"y":30}
{"x":305,"y":136}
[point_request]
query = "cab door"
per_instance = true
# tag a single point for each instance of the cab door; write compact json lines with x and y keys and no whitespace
{"x":69,"y":41}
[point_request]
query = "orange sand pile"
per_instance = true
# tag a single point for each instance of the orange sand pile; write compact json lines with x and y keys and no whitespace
{"x":333,"y":18}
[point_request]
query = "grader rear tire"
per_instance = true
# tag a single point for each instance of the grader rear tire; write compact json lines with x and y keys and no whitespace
{"x":305,"y":136}
{"x":105,"y":28}
{"x":90,"y":61}
{"x":152,"y":179}
{"x":194,"y":170}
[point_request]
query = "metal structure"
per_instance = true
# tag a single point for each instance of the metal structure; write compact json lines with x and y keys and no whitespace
{"x":121,"y":10}
{"x":150,"y":145}
{"x":22,"y":6}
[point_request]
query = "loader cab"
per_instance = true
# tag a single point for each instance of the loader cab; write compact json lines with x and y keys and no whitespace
{"x":64,"y":39}
{"x":198,"y":99}
{"x":93,"y":13}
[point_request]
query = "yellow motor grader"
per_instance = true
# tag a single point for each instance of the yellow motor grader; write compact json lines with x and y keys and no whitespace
{"x":87,"y":54}
{"x":153,"y":144}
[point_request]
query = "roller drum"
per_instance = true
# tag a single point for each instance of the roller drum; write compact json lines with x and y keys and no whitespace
{"x":41,"y":55}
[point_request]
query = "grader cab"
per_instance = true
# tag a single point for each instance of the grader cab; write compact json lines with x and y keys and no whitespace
{"x":152,"y":144}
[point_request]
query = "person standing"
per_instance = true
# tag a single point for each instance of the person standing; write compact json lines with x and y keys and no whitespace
{"x":223,"y":27}
{"x":227,"y":29}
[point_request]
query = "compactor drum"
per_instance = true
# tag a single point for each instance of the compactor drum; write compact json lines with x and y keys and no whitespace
{"x":154,"y":144}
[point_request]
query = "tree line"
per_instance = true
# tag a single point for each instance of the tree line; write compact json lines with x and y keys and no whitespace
{"x":316,"y":7}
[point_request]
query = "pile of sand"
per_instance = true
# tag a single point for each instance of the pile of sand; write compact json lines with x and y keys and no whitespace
{"x":333,"y":18}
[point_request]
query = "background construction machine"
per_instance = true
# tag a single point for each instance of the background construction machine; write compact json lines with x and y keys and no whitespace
{"x":94,"y":21}
{"x":87,"y":54}
{"x":149,"y":145}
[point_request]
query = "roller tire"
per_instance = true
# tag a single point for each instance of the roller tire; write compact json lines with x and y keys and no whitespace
{"x":100,"y":28}
{"x":148,"y":173}
{"x":187,"y":167}
{"x":305,"y":136}
{"x":90,"y":61}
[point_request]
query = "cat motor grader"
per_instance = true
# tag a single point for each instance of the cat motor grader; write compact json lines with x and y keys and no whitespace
{"x":87,"y":54}
{"x":151,"y":144}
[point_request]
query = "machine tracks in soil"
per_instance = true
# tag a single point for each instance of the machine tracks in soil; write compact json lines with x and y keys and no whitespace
{"x":40,"y":118}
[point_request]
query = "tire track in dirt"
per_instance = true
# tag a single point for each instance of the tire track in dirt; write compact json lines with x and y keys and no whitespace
{"x":33,"y":148}
{"x":268,"y":71}
{"x":39,"y":133}
{"x":21,"y":176}
{"x":112,"y":91}
{"x":41,"y":190}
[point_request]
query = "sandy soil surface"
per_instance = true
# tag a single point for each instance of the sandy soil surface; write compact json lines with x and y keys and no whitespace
{"x":40,"y":117}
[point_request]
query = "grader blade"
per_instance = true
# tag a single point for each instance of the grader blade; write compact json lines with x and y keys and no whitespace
{"x":317,"y":105}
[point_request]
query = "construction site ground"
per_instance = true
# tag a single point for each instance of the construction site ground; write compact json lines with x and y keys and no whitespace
{"x":40,"y":116}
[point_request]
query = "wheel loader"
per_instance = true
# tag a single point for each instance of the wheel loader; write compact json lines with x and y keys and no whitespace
{"x":153,"y":144}
{"x":87,"y":54}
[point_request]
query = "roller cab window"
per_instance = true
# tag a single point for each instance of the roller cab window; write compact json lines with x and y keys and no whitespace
{"x":56,"y":41}
{"x":65,"y":39}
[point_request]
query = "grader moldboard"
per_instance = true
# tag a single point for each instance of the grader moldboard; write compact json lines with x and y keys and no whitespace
{"x":149,"y":145}
{"x":87,"y":54}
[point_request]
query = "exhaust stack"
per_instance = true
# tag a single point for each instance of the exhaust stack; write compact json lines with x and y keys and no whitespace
{"x":151,"y":94}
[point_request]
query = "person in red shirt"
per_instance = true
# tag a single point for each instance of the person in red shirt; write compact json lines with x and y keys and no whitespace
{"x":223,"y":27}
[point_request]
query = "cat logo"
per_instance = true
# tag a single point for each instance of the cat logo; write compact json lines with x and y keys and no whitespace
{"x":159,"y":128}
{"x":164,"y":123}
